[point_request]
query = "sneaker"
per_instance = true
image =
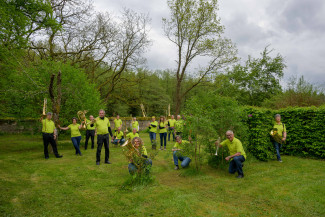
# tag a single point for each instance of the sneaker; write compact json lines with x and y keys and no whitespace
{"x":176,"y":168}
{"x":59,"y":156}
{"x":165,"y":148}
{"x":280,"y":161}
{"x":107,"y":162}
{"x":240,"y":176}
{"x":161,"y":148}
{"x":97,"y":163}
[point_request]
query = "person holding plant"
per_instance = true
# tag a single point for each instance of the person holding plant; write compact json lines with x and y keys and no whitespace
{"x":171,"y":127}
{"x":237,"y":154}
{"x":117,"y":123}
{"x":163,"y":124}
{"x":152,"y":131}
{"x":279,"y":135}
{"x":140,"y":158}
{"x":118,"y":137}
{"x":178,"y":153}
{"x":90,"y":132}
{"x":135,"y":124}
{"x":75,"y":134}
{"x":49,"y":135}
{"x":133,"y":134}
{"x":179,"y":126}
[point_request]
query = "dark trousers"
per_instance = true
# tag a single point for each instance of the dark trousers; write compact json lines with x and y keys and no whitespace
{"x":90,"y":134}
{"x":237,"y":165}
{"x":102,"y":139}
{"x":171,"y":131}
{"x":76,"y":143}
{"x":163,"y":138}
{"x":49,"y":138}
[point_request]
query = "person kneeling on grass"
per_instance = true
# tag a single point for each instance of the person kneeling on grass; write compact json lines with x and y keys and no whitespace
{"x":118,"y":138}
{"x":177,"y":153}
{"x":142,"y":162}
{"x":237,"y":153}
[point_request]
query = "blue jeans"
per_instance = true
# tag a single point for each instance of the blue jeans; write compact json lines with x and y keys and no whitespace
{"x":171,"y":131}
{"x":237,"y":165}
{"x":185,"y":160}
{"x":116,"y":141}
{"x":133,"y":169}
{"x":76,"y":143}
{"x":277,"y":147}
{"x":163,"y":136}
{"x":152,"y":136}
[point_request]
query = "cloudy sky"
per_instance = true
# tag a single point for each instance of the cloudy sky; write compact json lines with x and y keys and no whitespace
{"x":293,"y":28}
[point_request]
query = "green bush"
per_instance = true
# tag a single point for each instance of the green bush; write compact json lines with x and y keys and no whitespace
{"x":305,"y":131}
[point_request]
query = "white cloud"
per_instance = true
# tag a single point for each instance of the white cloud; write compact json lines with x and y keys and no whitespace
{"x":295,"y":29}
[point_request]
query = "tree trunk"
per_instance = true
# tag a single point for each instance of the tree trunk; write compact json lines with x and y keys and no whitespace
{"x":178,"y":99}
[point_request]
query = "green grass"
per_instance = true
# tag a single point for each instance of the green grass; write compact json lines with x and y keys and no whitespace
{"x":75,"y":186}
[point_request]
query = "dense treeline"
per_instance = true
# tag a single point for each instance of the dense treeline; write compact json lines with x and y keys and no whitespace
{"x":81,"y":59}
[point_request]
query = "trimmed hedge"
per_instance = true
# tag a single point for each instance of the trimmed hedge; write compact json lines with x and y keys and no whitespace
{"x":305,"y":131}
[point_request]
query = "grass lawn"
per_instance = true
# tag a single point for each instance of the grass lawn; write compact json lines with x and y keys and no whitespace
{"x":75,"y":186}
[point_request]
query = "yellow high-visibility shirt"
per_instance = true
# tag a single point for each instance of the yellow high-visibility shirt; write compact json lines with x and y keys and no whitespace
{"x":102,"y":125}
{"x":48,"y":126}
{"x":234,"y":146}
{"x":117,"y":123}
{"x":90,"y":127}
{"x":172,"y":122}
{"x":74,"y":130}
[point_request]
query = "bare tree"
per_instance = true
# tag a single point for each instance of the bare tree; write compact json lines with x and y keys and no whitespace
{"x":195,"y":29}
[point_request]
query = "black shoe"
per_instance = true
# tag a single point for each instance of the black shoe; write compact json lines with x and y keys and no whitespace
{"x":46,"y":158}
{"x":97,"y":163}
{"x":80,"y":154}
{"x":107,"y":162}
{"x":240,"y":176}
{"x":176,"y":168}
{"x":59,"y":156}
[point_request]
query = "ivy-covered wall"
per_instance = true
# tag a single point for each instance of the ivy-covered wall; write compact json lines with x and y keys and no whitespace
{"x":305,"y":131}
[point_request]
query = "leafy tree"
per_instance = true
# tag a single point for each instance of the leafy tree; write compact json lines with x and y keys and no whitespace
{"x":259,"y":79}
{"x":299,"y":93}
{"x":209,"y":116}
{"x":195,"y":29}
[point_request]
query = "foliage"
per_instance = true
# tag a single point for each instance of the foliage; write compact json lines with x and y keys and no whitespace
{"x":299,"y":93}
{"x":209,"y":116}
{"x":305,"y":131}
{"x":259,"y":79}
{"x":23,"y":95}
{"x":195,"y":29}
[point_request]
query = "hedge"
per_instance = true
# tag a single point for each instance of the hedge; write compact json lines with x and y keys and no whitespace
{"x":305,"y":131}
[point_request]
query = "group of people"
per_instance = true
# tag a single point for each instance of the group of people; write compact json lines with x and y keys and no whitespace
{"x":100,"y":127}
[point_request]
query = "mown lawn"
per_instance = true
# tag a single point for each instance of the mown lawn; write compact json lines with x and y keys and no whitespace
{"x":75,"y":186}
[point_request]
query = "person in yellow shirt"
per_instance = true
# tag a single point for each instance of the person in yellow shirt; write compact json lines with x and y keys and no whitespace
{"x":49,"y":135}
{"x":135,"y":124}
{"x":75,"y":134}
{"x":133,"y":134}
{"x":282,"y":132}
{"x":171,"y":127}
{"x":118,"y":138}
{"x":90,"y":132}
{"x":139,"y":146}
{"x":178,"y":153}
{"x":237,"y":154}
{"x":103,"y":127}
{"x":117,"y":123}
{"x":163,"y":125}
{"x":179,"y":126}
{"x":152,"y":132}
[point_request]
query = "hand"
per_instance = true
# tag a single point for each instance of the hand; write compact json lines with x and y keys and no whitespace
{"x":59,"y":126}
{"x":54,"y":137}
{"x":95,"y":134}
{"x":227,"y":158}
{"x":189,"y":138}
{"x":283,"y":139}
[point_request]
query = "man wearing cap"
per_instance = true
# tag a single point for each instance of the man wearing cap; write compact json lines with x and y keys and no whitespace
{"x":237,"y":153}
{"x":49,"y":135}
{"x":152,"y":132}
{"x":103,"y":126}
